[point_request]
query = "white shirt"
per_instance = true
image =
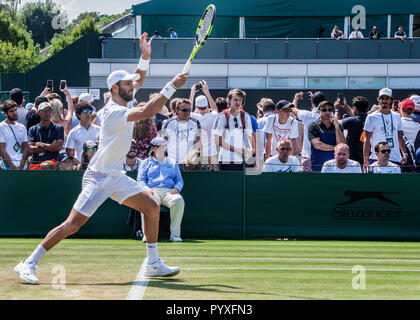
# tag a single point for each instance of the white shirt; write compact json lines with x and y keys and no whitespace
{"x":7,"y":137}
{"x":351,"y":167}
{"x":410,"y":129}
{"x":181,"y":137}
{"x":279,"y":131}
{"x":307,"y":117}
{"x":353,"y":35}
{"x":275,"y":165}
{"x":262,"y":124}
{"x":390,"y":168}
{"x":236,"y":137}
{"x":127,"y":168}
{"x":207,"y":136}
{"x":22,"y":112}
{"x":115,"y":142}
{"x":375,"y":124}
{"x":79,"y":135}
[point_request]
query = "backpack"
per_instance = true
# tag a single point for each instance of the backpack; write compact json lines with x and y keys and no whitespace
{"x":227,"y":114}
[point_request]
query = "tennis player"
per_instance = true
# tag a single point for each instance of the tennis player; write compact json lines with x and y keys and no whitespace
{"x":103,"y":179}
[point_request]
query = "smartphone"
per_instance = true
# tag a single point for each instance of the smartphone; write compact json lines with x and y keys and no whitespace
{"x":50,"y":84}
{"x":63,"y":84}
{"x":341,"y":97}
{"x":198,"y":86}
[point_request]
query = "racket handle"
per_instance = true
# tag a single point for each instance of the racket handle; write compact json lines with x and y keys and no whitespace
{"x":187,"y":67}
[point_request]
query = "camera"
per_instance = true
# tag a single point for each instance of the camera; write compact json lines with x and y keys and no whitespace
{"x":63,"y":84}
{"x":50,"y":84}
{"x":198,"y":86}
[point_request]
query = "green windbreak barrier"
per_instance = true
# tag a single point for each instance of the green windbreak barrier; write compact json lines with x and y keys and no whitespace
{"x":399,"y":20}
{"x":229,"y":205}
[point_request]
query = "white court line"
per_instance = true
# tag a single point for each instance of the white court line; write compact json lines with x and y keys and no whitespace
{"x":293,"y":259}
{"x":139,"y":286}
{"x":302,"y":269}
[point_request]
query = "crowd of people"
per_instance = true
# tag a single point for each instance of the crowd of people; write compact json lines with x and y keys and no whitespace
{"x":373,"y":34}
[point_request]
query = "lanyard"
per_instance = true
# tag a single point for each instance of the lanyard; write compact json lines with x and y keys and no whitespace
{"x":13,"y":132}
{"x":392,"y":125}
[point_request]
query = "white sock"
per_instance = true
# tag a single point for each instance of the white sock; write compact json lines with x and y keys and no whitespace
{"x":152,"y":253}
{"x":36,"y":255}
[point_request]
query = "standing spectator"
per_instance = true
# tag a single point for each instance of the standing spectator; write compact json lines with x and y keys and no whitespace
{"x":383,"y":165}
{"x":324,"y":134}
{"x":162,"y":177}
{"x":409,"y":127}
{"x":341,"y":162}
{"x":83,"y":132}
{"x":384,"y":125}
{"x":354,"y":125}
{"x":45,"y":139}
{"x":337,"y":34}
{"x":182,"y":132}
{"x":221,"y":104}
{"x":32,"y":117}
{"x":13,"y":139}
{"x":356,"y":34}
{"x":107,"y":96}
{"x":416,"y":114}
{"x":267,"y":108}
{"x":131,"y":162}
{"x":66,"y":162}
{"x":233,"y":133}
{"x":283,"y":161}
{"x":307,"y":117}
{"x":16,"y":95}
{"x":374,"y":33}
{"x":280,"y":127}
{"x":89,"y":150}
{"x":144,"y":132}
{"x":417,"y":151}
{"x":172,"y":33}
{"x":400,"y":34}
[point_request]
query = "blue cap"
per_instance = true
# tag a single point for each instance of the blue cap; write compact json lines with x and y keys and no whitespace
{"x":63,"y":157}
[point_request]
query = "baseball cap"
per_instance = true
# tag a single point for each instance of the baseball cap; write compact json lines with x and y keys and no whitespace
{"x":284,"y":104}
{"x":45,"y":105}
{"x":63,"y":157}
{"x":29,"y":106}
{"x":416,"y":100}
{"x":325,"y":103}
{"x":318,"y":97}
{"x":16,"y":95}
{"x":158,"y":141}
{"x":120,"y":75}
{"x":385,"y":92}
{"x":201,"y":102}
{"x":407,"y":105}
{"x":89,"y":144}
{"x":86,"y":97}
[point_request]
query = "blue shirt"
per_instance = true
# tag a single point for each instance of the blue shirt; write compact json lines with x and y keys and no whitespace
{"x":254,"y":123}
{"x":174,"y":35}
{"x":160,"y":175}
{"x":48,"y":135}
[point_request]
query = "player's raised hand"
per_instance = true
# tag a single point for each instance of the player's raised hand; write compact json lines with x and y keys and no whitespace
{"x":145,"y":46}
{"x":180,"y":80}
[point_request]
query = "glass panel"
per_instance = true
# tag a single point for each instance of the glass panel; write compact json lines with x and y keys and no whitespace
{"x":404,"y":83}
{"x":367,"y":82}
{"x":287,"y":82}
{"x":248,"y":83}
{"x":327,"y":83}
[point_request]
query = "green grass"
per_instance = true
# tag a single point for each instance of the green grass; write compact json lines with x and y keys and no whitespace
{"x":219,"y":270}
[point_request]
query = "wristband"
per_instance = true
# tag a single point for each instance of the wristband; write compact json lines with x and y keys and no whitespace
{"x":143,"y":65}
{"x":168,"y":90}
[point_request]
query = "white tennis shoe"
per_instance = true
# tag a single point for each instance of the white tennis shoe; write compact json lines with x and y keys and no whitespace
{"x":175,"y":239}
{"x":159,"y":269}
{"x":26,"y":272}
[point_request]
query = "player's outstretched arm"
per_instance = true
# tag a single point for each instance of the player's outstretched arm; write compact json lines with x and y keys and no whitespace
{"x":143,"y":66}
{"x":156,"y":104}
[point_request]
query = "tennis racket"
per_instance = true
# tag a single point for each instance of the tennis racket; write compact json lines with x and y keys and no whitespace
{"x":203,"y":32}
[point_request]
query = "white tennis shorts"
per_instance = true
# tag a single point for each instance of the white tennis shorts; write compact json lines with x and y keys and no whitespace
{"x":97,"y":187}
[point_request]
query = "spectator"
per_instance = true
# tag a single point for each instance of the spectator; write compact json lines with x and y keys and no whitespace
{"x":416,"y":114}
{"x":268,"y":108}
{"x":182,"y":132}
{"x":354,"y":125}
{"x":107,"y":96}
{"x":57,"y":114}
{"x":417,"y":154}
{"x":162,"y":177}
{"x":172,"y":33}
{"x":280,"y":127}
{"x":233,"y":133}
{"x":400,"y":34}
{"x":324,"y":134}
{"x":384,"y":125}
{"x":172,"y":107}
{"x":409,"y":127}
{"x":89,"y":150}
{"x":337,"y":34}
{"x":144,"y":132}
{"x":13,"y":139}
{"x":132,"y":163}
{"x":356,"y":34}
{"x":32,"y":117}
{"x":156,"y":35}
{"x":221,"y":104}
{"x":307,"y":117}
{"x":161,"y":116}
{"x":46,"y":139}
{"x":16,"y":95}
{"x":374,"y":33}
{"x":66,"y":162}
{"x":83,"y":132}
{"x":341,"y":162}
{"x":206,"y":113}
{"x":383,"y":165}
{"x":283,"y":161}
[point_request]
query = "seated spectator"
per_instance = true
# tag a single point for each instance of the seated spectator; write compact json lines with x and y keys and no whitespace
{"x":132,"y":163}
{"x":400,"y":34}
{"x":45,"y":139}
{"x":374,"y":34}
{"x":13,"y":139}
{"x":172,"y":33}
{"x":66,"y":162}
{"x":89,"y":150}
{"x":83,"y":132}
{"x":383,"y":165}
{"x":283,"y":161}
{"x":324,"y":134}
{"x":144,"y":132}
{"x":16,"y":95}
{"x":341,"y":162}
{"x":32,"y":118}
{"x":162,"y":179}
{"x":156,"y":35}
{"x":356,"y":34}
{"x":337,"y":34}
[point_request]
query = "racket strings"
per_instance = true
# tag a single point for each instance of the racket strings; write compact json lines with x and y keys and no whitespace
{"x":207,"y":20}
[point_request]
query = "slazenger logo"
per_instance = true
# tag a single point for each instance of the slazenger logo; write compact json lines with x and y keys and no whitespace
{"x":354,"y":208}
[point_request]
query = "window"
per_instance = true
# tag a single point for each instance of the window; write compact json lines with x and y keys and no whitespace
{"x":404,"y":83}
{"x":327,"y":83}
{"x":367,"y":82}
{"x":248,"y":83}
{"x":287,"y":83}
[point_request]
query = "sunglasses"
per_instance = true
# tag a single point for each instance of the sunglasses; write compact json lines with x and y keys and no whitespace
{"x":285,"y":149}
{"x":46,"y":110}
{"x":92,"y":149}
{"x":87,"y":111}
{"x":185,"y":110}
{"x":236,"y":123}
{"x":386,"y":151}
{"x":327,"y":110}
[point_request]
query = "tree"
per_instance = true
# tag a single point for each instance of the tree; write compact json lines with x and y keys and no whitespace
{"x":11,"y":32}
